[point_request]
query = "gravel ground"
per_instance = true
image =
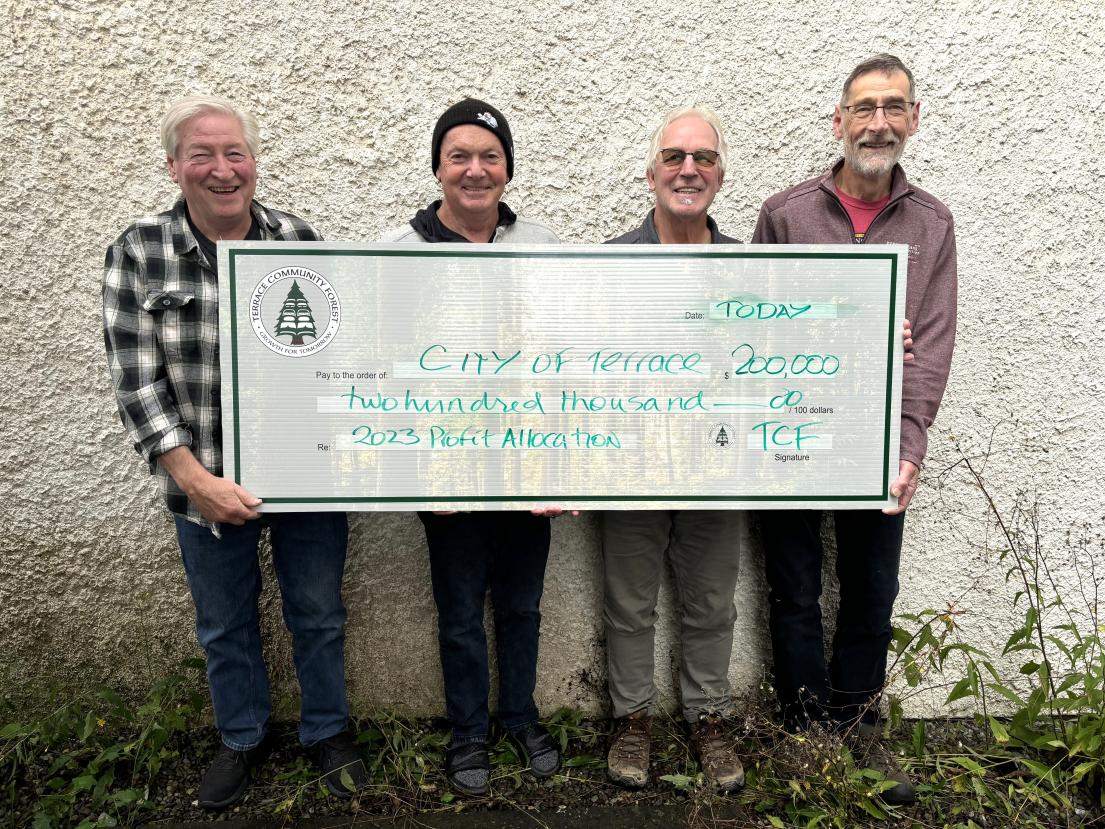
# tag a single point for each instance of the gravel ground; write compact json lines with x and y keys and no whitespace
{"x":286,"y":792}
{"x":516,"y":792}
{"x":512,"y":787}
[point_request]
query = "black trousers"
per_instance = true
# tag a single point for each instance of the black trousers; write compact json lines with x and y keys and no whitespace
{"x":471,"y":553}
{"x":869,"y":546}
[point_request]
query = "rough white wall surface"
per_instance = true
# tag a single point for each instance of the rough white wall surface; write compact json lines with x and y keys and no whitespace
{"x":1011,"y":135}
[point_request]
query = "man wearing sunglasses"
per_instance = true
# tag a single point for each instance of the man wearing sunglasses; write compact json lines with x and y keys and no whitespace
{"x":685,"y":169}
{"x":865,"y":198}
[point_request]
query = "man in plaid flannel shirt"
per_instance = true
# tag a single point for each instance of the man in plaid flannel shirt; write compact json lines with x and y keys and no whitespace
{"x":161,"y":327}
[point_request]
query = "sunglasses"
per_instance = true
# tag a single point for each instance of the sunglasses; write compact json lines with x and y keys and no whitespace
{"x":673,"y":157}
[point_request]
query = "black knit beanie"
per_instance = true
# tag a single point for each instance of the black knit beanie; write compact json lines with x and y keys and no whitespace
{"x":472,"y":111}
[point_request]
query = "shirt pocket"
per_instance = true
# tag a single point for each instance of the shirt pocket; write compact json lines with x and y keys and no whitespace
{"x":175,"y":318}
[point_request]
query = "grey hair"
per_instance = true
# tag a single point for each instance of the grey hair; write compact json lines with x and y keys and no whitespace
{"x":707,"y":115}
{"x":183,"y":109}
{"x":882,"y":62}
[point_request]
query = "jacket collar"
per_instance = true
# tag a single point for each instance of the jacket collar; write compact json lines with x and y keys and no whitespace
{"x":650,"y":236}
{"x":899,"y":187}
{"x":184,"y":240}
{"x":427,"y":224}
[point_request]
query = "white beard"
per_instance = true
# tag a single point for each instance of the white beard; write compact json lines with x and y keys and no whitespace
{"x":872,"y":165}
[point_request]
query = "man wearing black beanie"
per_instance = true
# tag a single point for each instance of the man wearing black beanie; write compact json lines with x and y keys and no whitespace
{"x":472,"y":111}
{"x":473,"y":159}
{"x":471,"y":552}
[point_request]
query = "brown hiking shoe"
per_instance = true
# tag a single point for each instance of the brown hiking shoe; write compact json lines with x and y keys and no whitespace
{"x":628,"y":756}
{"x":715,"y":748}
{"x":869,"y":751}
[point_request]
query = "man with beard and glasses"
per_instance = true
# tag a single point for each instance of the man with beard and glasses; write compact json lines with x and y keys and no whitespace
{"x":865,"y":198}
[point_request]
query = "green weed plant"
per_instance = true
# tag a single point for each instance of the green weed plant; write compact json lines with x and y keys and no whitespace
{"x":1046,"y":752}
{"x":1038,"y":764}
{"x":91,"y":761}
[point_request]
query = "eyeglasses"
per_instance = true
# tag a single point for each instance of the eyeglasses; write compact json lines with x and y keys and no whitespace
{"x":673,"y":157}
{"x":894,"y":111}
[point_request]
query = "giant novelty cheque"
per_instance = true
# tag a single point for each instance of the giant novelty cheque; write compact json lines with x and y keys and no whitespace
{"x":377,"y":377}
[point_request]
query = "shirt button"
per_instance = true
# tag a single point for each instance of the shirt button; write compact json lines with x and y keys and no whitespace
{"x":166,"y":302}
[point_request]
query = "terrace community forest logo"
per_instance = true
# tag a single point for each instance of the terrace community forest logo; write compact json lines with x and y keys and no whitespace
{"x":295,"y":311}
{"x":721,"y":435}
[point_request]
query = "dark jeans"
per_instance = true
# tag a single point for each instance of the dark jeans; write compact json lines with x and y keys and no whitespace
{"x":308,"y":554}
{"x":470,"y":552}
{"x":869,"y":546}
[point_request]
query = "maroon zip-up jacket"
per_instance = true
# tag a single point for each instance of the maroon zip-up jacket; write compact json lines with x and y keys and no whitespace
{"x":811,"y":214}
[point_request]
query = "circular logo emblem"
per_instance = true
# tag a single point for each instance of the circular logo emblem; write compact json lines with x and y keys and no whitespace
{"x":721,"y":436}
{"x":295,"y":311}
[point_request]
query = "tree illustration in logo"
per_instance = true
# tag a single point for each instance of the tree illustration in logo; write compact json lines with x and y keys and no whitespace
{"x":296,"y":319}
{"x":722,"y":438}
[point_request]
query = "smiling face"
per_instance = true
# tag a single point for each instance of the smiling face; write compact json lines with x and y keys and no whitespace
{"x":472,"y":172}
{"x":873,"y":147}
{"x":685,"y":193}
{"x":217,"y":174}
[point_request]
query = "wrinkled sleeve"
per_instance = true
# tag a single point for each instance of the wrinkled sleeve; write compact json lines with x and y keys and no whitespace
{"x":924,"y":379}
{"x":135,"y":359}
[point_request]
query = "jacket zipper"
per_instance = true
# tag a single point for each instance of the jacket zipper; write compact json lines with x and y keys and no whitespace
{"x":851,"y":226}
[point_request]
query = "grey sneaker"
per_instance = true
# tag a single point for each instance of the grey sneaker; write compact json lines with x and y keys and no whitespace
{"x":869,"y":751}
{"x":627,"y":758}
{"x":715,"y":749}
{"x":538,"y":749}
{"x":468,"y":768}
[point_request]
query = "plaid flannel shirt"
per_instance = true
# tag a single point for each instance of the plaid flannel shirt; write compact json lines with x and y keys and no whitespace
{"x":161,"y":329}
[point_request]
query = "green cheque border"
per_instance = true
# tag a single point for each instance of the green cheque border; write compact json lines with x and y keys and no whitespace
{"x":652,"y":252}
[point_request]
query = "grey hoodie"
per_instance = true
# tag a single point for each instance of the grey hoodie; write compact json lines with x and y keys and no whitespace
{"x":425,"y":227}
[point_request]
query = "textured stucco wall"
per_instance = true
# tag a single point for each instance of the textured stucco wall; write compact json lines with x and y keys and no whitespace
{"x":1011,"y":135}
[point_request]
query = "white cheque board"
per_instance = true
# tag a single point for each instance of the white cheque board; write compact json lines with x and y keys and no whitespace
{"x":452,"y":376}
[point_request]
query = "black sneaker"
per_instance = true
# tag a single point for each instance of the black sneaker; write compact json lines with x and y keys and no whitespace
{"x":538,"y":749}
{"x":341,"y":764}
{"x":227,"y":778}
{"x":869,"y":751}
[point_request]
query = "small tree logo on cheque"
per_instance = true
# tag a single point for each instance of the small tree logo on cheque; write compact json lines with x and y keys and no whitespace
{"x":295,"y":311}
{"x":721,"y":435}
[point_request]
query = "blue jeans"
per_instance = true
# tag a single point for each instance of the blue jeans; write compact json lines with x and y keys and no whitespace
{"x":470,"y":552}
{"x":869,"y":547}
{"x":308,"y":553}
